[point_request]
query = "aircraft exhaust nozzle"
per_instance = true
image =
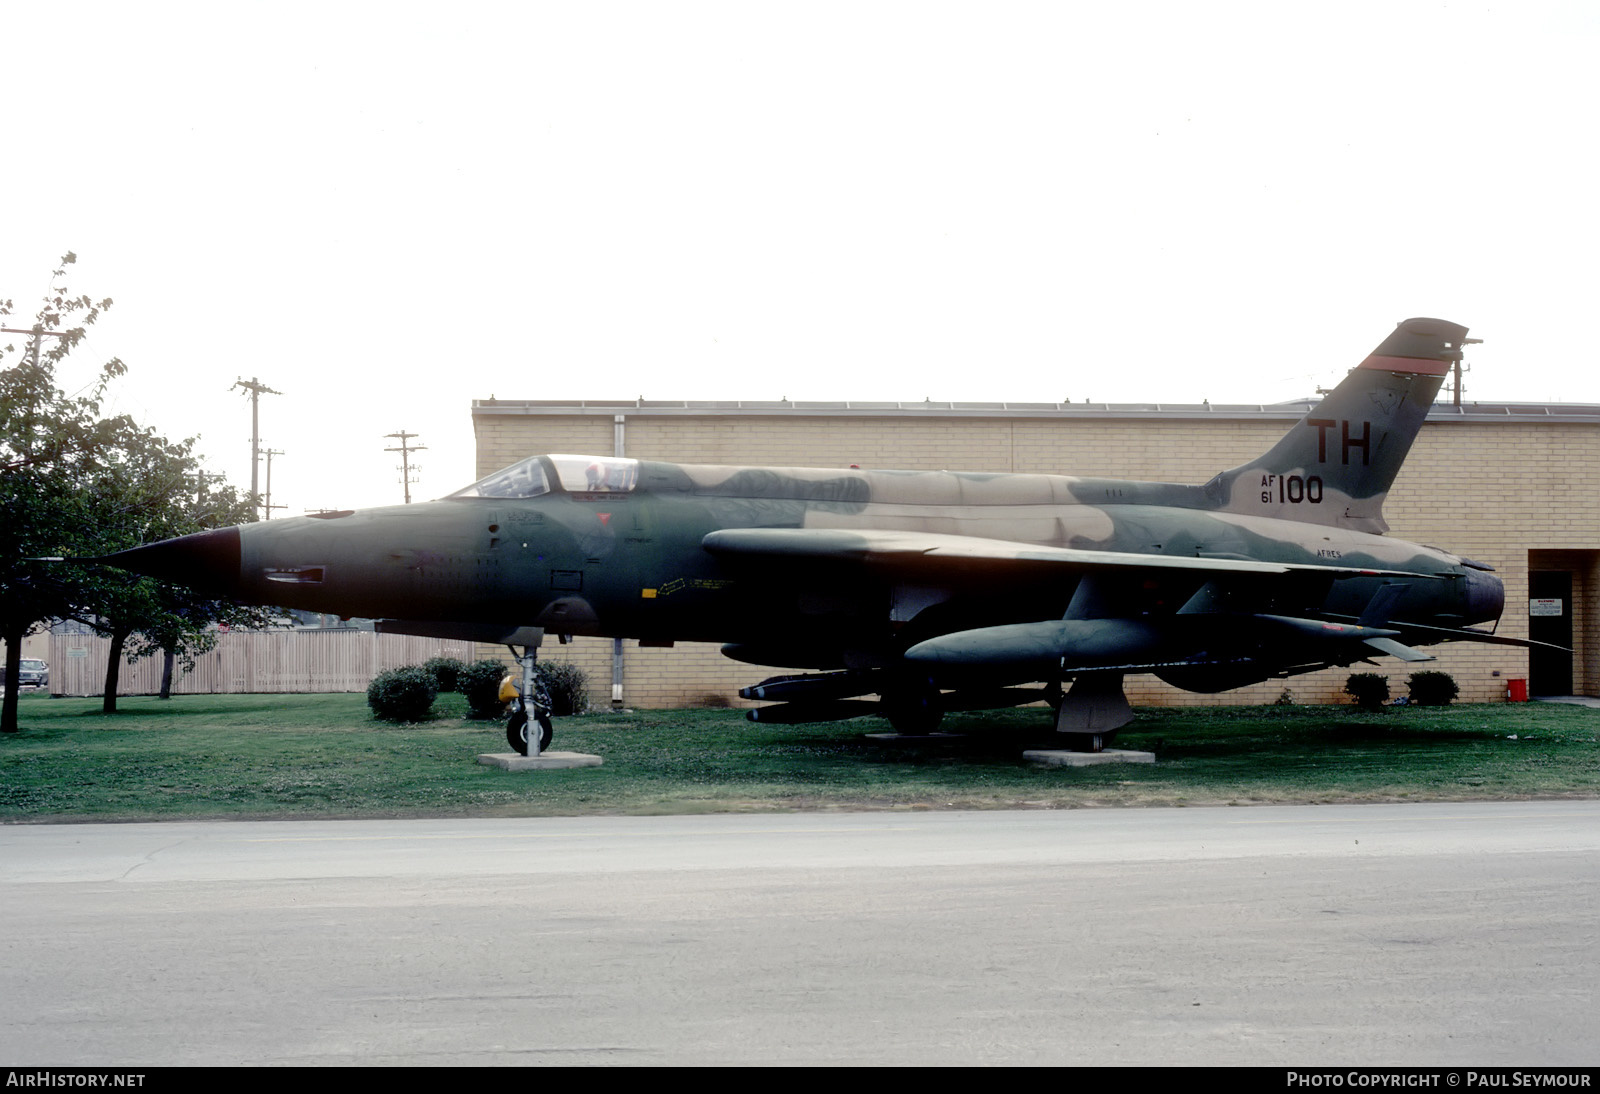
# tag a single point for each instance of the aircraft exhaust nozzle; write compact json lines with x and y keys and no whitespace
{"x":1485,"y":596}
{"x":204,"y":560}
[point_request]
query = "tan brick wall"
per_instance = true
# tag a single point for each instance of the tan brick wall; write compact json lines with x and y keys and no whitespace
{"x":1489,"y":491}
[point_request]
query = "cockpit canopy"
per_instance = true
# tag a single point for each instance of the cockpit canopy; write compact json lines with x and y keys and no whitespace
{"x":574,"y":474}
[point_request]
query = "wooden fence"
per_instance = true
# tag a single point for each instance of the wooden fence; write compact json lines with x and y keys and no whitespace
{"x":251,"y":661}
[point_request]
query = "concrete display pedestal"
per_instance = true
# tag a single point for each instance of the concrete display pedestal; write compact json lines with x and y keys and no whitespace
{"x":545,"y":761}
{"x":1063,"y":758}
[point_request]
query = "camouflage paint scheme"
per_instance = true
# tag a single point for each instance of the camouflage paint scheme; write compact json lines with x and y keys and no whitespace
{"x":934,"y":590}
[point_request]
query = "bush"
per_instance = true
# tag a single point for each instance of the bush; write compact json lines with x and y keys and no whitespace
{"x":1368,"y":689}
{"x":402,"y":695}
{"x":568,"y":686}
{"x":444,"y":670}
{"x":1432,"y":689}
{"x":479,"y":683}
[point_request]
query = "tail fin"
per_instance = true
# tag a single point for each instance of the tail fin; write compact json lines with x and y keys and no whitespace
{"x":1337,"y":464}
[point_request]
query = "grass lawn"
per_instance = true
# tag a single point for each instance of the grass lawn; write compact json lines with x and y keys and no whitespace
{"x":284,"y":756}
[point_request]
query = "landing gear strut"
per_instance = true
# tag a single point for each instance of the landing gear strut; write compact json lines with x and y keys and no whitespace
{"x":913,"y":707}
{"x":531,"y":702}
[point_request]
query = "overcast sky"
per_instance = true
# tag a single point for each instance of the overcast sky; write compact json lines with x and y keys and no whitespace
{"x":387,"y":210}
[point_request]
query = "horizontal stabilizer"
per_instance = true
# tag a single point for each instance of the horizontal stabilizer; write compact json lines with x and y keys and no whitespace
{"x":1395,"y":649}
{"x":1419,"y":632}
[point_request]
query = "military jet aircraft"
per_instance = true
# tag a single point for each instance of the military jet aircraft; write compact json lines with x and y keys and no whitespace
{"x":933,"y":591}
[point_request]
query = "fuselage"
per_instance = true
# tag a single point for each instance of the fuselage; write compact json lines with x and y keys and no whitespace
{"x":600,"y":546}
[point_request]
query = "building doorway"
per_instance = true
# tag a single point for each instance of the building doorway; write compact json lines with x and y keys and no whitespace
{"x":1550,"y":620}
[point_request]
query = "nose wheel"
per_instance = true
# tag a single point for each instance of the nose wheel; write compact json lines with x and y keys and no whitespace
{"x":517,"y":730}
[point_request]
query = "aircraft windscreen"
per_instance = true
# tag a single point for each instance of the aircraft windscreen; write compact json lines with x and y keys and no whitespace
{"x":596,"y":474}
{"x":521,"y":480}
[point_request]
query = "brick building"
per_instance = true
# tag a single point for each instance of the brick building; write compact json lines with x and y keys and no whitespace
{"x":1504,"y":484}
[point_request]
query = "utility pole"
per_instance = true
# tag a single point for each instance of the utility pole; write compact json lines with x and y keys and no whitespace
{"x":405,"y":458}
{"x":269,"y":507}
{"x":1457,"y":367}
{"x":200,"y":486}
{"x":36,"y":333}
{"x":256,"y":389}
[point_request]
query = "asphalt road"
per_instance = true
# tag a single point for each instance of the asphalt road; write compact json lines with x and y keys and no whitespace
{"x":1336,"y":935}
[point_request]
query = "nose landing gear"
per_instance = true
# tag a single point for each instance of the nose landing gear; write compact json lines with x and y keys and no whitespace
{"x":531,"y":701}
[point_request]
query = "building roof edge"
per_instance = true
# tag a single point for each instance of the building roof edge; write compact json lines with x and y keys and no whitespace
{"x":1289,"y":411}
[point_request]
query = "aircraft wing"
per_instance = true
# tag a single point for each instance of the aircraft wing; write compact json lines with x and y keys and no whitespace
{"x":934,"y":552}
{"x":497,"y":633}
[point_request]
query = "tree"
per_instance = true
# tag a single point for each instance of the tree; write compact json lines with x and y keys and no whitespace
{"x":146,"y":491}
{"x":47,"y":442}
{"x":74,"y":484}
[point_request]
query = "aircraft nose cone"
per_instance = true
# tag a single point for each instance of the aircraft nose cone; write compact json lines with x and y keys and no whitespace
{"x":205,"y":560}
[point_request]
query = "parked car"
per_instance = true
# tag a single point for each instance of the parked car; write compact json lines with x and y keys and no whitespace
{"x":33,"y":674}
